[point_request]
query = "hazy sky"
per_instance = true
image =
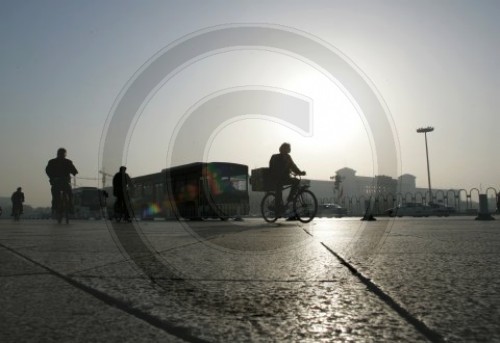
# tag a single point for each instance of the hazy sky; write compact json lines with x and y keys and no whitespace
{"x":65,"y":63}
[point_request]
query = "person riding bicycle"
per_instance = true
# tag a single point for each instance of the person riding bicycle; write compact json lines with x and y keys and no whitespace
{"x":59,"y":171}
{"x":121,"y":186}
{"x":281,"y":166}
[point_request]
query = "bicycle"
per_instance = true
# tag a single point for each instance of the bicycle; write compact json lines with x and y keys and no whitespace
{"x":120,"y":211}
{"x":305,"y":204}
{"x":63,"y":207}
{"x":16,"y":212}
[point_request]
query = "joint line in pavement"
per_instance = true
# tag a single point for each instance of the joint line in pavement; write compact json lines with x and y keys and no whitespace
{"x":169,"y":328}
{"x":420,"y":326}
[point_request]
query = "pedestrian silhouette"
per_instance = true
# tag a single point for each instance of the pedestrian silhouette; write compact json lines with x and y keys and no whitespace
{"x":121,"y":187}
{"x":498,"y":202}
{"x":17,"y":199}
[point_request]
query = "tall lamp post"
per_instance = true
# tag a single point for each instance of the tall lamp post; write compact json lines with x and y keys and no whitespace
{"x":424,"y":130}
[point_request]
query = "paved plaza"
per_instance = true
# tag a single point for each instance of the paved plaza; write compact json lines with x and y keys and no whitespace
{"x":331,"y":280}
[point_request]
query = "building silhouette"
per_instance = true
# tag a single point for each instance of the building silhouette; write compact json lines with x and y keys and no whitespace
{"x":404,"y":186}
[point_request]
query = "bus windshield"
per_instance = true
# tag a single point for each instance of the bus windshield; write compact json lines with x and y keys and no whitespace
{"x":226,"y":179}
{"x":233,"y":183}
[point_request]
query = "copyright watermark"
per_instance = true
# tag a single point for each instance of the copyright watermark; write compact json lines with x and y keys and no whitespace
{"x":207,"y":115}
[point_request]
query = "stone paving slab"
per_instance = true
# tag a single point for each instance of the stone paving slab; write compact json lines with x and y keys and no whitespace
{"x":37,"y":306}
{"x":444,"y":271}
{"x":252,"y":281}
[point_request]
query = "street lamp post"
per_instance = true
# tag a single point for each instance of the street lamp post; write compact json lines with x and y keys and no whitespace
{"x":337,"y":179}
{"x":424,"y":130}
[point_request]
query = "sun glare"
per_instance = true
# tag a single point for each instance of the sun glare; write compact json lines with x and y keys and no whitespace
{"x":337,"y":137}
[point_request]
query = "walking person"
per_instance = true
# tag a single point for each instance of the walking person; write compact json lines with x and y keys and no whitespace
{"x":17,"y":199}
{"x":498,"y":202}
{"x":121,"y":187}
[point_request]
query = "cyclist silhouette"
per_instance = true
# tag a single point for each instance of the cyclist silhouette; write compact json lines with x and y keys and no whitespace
{"x":59,"y":171}
{"x":281,"y":166}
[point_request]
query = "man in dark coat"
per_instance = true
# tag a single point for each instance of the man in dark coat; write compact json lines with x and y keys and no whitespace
{"x":59,"y":171}
{"x":121,"y":186}
{"x":281,"y":166}
{"x":17,"y":199}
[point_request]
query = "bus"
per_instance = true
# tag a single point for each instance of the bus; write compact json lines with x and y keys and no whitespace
{"x":88,"y":202}
{"x":199,"y":190}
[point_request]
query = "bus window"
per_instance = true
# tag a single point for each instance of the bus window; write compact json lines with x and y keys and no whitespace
{"x":227,"y":184}
{"x":158,"y":192}
{"x":239,"y":182}
{"x":186,"y":190}
{"x":147,"y":191}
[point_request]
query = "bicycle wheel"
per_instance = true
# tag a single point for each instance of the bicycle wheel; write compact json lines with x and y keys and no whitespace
{"x":305,"y":206}
{"x":62,"y":208}
{"x":60,"y":212}
{"x":117,"y":212}
{"x":66,"y":208}
{"x":268,"y":209}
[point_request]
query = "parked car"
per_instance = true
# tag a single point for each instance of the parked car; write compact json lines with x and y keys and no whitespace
{"x":419,"y":210}
{"x":331,"y":210}
{"x":441,"y":210}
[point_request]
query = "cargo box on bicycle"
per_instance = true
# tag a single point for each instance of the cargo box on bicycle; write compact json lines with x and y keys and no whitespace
{"x":260,"y":180}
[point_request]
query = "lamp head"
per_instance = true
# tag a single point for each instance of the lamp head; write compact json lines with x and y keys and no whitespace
{"x":425,"y":129}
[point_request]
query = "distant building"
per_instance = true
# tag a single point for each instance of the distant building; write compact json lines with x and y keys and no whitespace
{"x":385,"y":185}
{"x":353,"y":185}
{"x":404,"y":187}
{"x":407,"y":183}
